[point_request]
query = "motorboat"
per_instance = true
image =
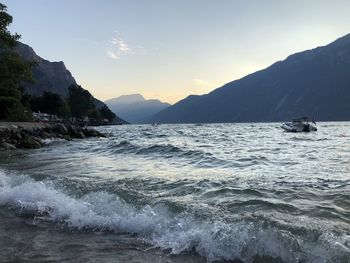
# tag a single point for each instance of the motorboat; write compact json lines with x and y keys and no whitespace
{"x":303,"y":124}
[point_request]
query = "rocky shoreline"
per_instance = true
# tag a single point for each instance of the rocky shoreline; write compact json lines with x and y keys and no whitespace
{"x":30,"y":135}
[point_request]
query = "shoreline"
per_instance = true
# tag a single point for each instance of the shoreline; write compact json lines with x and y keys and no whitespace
{"x":30,"y":135}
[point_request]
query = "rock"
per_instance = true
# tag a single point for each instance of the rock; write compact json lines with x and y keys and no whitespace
{"x":72,"y":130}
{"x":60,"y":128}
{"x":7,"y":146}
{"x":77,"y":132}
{"x":30,"y":143}
{"x":37,"y":132}
{"x":92,"y":133}
{"x":80,"y":135}
{"x":67,"y":137}
{"x":89,"y":133}
{"x":38,"y":139}
{"x":16,"y":135}
{"x":31,"y":137}
{"x":100,"y":134}
{"x":23,"y":134}
{"x":45,"y":135}
{"x":12,"y":141}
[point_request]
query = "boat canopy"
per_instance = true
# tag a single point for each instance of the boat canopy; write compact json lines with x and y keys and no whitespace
{"x":305,"y":119}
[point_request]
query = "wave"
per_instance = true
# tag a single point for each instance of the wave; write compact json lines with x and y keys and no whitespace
{"x":179,"y":232}
{"x":166,"y":151}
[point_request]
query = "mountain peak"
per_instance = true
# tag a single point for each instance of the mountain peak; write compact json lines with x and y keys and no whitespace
{"x":313,"y":82}
{"x":49,"y":76}
{"x":127,"y":99}
{"x":134,"y":108}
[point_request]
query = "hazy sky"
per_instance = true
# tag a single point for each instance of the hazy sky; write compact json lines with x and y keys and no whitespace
{"x":170,"y":49}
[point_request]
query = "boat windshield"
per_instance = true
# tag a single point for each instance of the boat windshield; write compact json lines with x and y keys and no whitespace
{"x":304,"y":119}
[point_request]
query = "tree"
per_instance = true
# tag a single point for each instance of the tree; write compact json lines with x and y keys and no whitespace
{"x":80,"y":101}
{"x":11,"y":109}
{"x":6,"y":39}
{"x":13,"y":71}
{"x":106,"y":113}
{"x":50,"y":103}
{"x":94,"y":114}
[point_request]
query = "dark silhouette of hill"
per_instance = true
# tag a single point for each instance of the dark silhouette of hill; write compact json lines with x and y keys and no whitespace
{"x":314,"y":82}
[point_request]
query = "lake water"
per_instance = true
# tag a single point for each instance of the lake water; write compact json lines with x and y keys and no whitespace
{"x":180,"y":193}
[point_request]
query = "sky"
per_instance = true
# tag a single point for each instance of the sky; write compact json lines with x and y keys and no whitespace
{"x":170,"y":49}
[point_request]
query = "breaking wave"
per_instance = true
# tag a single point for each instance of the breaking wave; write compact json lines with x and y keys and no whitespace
{"x":167,"y":151}
{"x":212,"y":238}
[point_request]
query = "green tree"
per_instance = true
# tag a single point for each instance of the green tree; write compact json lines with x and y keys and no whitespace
{"x":6,"y":39}
{"x":50,"y":103}
{"x":80,"y":101}
{"x":106,"y":113}
{"x":95,"y":114}
{"x":11,"y":109}
{"x":14,"y":70}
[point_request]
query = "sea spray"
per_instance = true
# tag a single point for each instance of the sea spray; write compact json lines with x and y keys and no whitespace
{"x":214,"y":239}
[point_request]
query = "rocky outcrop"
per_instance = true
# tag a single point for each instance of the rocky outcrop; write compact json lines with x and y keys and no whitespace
{"x":32,"y":136}
{"x":51,"y":77}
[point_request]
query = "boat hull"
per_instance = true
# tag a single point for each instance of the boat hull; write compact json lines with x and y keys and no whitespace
{"x":290,"y":127}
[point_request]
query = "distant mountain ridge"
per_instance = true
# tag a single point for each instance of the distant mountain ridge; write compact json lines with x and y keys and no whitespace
{"x":50,"y":76}
{"x":313,"y":82}
{"x":127,"y":99}
{"x":135,"y":108}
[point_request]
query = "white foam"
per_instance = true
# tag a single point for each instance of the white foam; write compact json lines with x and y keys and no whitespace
{"x":49,"y":141}
{"x":214,"y":240}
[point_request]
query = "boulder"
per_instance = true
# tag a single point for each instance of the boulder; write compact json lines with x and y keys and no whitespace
{"x":45,"y":135}
{"x":7,"y":146}
{"x":80,"y":135}
{"x":30,"y":143}
{"x":67,"y":137}
{"x":13,"y":127}
{"x":73,"y":131}
{"x":92,"y":133}
{"x":89,"y":133}
{"x":16,"y":135}
{"x":60,"y":128}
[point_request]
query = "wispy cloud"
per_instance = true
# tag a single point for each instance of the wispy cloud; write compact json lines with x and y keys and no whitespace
{"x":112,"y":54}
{"x":118,"y":47}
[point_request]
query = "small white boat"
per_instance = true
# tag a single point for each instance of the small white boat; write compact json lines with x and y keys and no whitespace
{"x":304,"y":124}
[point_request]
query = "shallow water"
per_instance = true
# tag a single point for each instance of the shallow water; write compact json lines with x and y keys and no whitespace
{"x":180,"y":193}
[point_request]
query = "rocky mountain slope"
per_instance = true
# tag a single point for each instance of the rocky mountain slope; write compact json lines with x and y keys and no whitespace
{"x":314,"y":82}
{"x":50,"y":76}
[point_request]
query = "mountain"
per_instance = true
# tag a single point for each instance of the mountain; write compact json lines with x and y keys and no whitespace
{"x":135,"y":108}
{"x":127,"y":99}
{"x":312,"y":83}
{"x":49,"y":76}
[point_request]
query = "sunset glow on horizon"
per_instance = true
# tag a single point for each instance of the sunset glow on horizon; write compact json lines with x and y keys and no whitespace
{"x":168,"y":50}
